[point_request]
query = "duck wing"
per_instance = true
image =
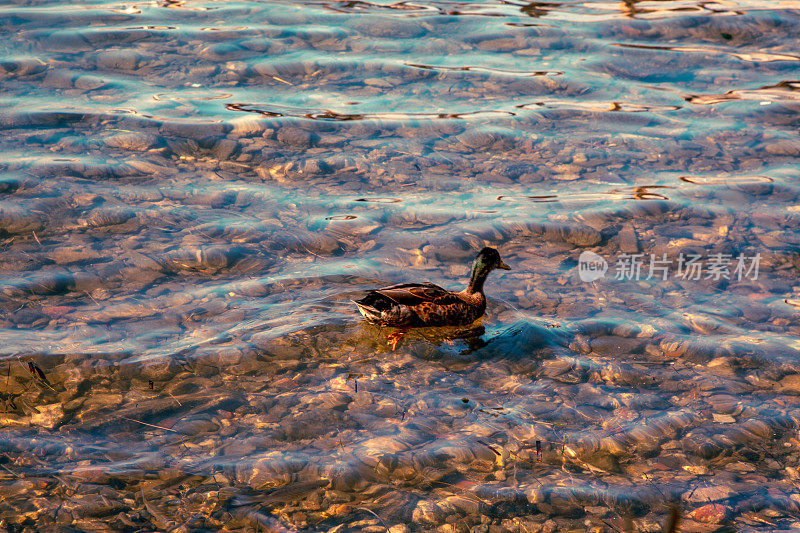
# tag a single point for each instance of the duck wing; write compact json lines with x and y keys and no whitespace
{"x":412,"y":294}
{"x":417,"y":304}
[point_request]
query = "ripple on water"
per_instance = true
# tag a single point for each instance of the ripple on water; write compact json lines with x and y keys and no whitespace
{"x":192,"y":193}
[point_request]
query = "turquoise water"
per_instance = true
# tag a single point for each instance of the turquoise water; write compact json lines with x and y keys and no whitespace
{"x":191,"y":193}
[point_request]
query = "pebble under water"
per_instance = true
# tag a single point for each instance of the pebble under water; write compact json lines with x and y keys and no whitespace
{"x":192,"y":192}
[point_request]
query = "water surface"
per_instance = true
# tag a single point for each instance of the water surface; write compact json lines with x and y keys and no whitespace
{"x":192,"y":192}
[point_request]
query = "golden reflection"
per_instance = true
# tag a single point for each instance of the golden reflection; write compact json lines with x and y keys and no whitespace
{"x":745,"y":56}
{"x":182,"y":97}
{"x":538,"y":9}
{"x":716,"y":180}
{"x":180,"y":4}
{"x":598,"y":106}
{"x":644,"y":192}
{"x":658,"y":9}
{"x":330,"y":115}
{"x":354,"y":6}
{"x":430,"y":343}
{"x":747,"y":339}
{"x":379,"y":200}
{"x":635,"y":9}
{"x":490,"y":70}
{"x":225,"y":28}
{"x":628,"y":7}
{"x":785,"y":90}
{"x":128,"y":10}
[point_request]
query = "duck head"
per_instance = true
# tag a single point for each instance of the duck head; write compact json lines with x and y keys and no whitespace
{"x":488,"y":259}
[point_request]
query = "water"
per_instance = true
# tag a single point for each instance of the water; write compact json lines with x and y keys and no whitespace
{"x":192,"y":192}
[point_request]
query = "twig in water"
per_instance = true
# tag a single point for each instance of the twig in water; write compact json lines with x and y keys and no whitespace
{"x":89,"y":294}
{"x":4,"y":467}
{"x":491,"y":448}
{"x":612,"y":526}
{"x":276,"y":78}
{"x":309,"y":251}
{"x":339,"y":437}
{"x":462,"y":490}
{"x":151,"y":425}
{"x":373,"y":513}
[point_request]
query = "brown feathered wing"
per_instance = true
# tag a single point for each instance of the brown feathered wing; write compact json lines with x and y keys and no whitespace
{"x":416,"y":304}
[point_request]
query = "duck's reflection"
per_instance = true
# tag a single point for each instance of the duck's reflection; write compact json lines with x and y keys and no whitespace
{"x":457,"y":347}
{"x":465,"y":339}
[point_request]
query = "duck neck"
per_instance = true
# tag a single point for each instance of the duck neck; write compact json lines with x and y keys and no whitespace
{"x":478,"y":277}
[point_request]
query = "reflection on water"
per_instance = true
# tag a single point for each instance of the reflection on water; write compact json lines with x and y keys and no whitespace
{"x":192,"y":193}
{"x":643,"y":192}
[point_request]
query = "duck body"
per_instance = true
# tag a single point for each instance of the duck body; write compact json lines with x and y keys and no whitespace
{"x":421,"y":304}
{"x":424,"y":304}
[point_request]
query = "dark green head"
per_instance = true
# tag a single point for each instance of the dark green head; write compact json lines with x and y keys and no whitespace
{"x":488,"y":259}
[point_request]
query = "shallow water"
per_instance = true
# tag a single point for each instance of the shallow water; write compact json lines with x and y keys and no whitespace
{"x":192,"y":192}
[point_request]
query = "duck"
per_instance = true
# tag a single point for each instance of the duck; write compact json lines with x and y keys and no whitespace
{"x":411,"y":305}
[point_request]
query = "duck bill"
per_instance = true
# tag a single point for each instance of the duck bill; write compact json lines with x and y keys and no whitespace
{"x":503,"y":266}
